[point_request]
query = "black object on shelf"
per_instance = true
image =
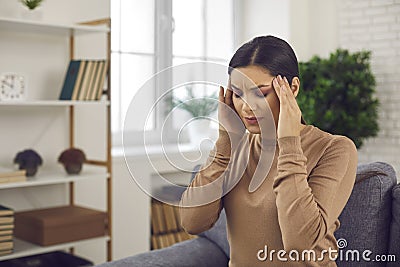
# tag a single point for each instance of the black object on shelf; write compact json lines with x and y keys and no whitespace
{"x":51,"y":259}
{"x":28,"y":160}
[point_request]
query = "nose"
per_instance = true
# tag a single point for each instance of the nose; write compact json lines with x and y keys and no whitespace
{"x":248,"y":107}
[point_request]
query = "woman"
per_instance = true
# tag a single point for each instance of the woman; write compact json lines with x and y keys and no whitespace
{"x":289,"y":217}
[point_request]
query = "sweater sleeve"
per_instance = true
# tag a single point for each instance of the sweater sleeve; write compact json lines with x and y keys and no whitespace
{"x":309,"y":205}
{"x":201,"y":203}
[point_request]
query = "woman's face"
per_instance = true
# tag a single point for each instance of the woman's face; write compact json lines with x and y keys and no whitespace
{"x":252,"y":94}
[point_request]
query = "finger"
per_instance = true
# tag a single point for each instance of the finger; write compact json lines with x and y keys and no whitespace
{"x":228,"y":97}
{"x":282,"y":82}
{"x":276,"y":87}
{"x":283,"y":97}
{"x":290,"y":98}
{"x":221,"y":97}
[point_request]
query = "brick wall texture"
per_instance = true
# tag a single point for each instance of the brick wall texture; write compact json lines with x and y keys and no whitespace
{"x":375,"y":25}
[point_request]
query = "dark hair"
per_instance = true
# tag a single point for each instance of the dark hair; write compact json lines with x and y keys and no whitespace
{"x":269,"y":52}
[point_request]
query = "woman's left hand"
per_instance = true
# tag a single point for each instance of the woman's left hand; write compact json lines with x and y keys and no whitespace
{"x":289,"y":122}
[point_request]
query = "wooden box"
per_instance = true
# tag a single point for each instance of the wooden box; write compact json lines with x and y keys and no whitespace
{"x":60,"y":225}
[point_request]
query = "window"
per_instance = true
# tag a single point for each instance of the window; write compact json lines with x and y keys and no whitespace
{"x":148,"y":36}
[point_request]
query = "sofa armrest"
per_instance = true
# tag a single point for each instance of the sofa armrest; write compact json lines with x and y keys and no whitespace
{"x":199,"y":252}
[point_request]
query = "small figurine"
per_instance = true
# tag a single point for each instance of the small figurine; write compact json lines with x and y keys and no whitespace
{"x":28,"y":160}
{"x":72,"y":159}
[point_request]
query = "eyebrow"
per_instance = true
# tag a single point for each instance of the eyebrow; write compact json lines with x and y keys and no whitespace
{"x":253,"y":88}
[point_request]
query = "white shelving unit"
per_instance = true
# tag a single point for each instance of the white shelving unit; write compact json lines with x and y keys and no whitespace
{"x":23,"y":248}
{"x":49,"y":28}
{"x":54,"y":177}
{"x":99,"y":170}
{"x":52,"y":103}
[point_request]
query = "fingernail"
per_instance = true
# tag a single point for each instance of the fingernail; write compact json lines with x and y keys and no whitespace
{"x":285,"y":79}
{"x":279,"y":78}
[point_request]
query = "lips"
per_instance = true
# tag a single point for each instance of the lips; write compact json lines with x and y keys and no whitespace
{"x":252,"y":119}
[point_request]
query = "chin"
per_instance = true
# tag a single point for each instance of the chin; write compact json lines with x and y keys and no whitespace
{"x":254,"y":129}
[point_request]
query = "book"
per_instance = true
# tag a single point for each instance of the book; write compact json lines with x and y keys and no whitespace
{"x":85,"y":80}
{"x":78,"y":81}
{"x":8,"y":172}
{"x":70,"y":79}
{"x":6,"y":232}
{"x":5,"y":211}
{"x":96,"y":84}
{"x":7,"y":226}
{"x":91,"y":80}
{"x":12,"y":179}
{"x":6,"y":220}
{"x":159,"y":217}
{"x":178,"y":219}
{"x":154,"y":219}
{"x":6,"y":252}
{"x":4,"y":238}
{"x":169,"y":215}
{"x":6,"y":245}
{"x":102,"y":79}
{"x":154,"y":242}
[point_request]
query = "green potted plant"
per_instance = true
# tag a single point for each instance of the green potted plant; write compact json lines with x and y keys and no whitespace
{"x":338,"y":95}
{"x":31,"y":4}
{"x":200,"y":109}
{"x":31,"y":9}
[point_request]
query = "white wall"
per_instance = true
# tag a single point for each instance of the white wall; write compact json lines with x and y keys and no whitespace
{"x":261,"y":17}
{"x":313,"y":27}
{"x":310,"y":26}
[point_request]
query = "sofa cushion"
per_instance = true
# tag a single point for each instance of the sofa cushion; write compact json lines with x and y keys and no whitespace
{"x":198,"y":252}
{"x":217,"y":233}
{"x":365,"y":220}
{"x":394,"y":244}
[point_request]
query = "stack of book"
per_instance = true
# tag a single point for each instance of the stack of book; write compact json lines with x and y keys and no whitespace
{"x":166,"y":227}
{"x":11,"y":176}
{"x":6,"y":230}
{"x":84,"y":80}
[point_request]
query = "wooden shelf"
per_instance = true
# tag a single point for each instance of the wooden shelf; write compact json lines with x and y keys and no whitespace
{"x":58,"y":177}
{"x":23,"y":248}
{"x":52,"y":103}
{"x":11,"y":24}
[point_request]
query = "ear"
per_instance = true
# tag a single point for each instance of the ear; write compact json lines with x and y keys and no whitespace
{"x":295,"y":86}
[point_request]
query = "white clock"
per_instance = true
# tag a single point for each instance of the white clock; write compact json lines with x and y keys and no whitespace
{"x":12,"y":86}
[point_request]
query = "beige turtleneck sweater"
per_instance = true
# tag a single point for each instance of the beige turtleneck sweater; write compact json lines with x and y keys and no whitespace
{"x":296,"y":207}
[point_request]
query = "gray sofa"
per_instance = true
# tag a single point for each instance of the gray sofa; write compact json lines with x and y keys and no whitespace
{"x":370,"y":221}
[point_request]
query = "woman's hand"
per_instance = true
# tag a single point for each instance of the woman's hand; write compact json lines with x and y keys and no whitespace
{"x":229,"y":120}
{"x":231,"y":127}
{"x":289,"y":122}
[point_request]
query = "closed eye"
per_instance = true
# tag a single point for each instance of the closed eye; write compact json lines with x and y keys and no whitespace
{"x":236,"y":92}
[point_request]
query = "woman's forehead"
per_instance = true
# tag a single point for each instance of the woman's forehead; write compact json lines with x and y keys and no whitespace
{"x":250,"y":76}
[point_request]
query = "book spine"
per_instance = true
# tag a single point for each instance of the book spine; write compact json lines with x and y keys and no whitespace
{"x":78,"y":81}
{"x":70,"y":79}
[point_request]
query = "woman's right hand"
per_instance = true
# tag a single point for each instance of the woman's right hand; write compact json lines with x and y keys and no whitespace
{"x":231,"y":127}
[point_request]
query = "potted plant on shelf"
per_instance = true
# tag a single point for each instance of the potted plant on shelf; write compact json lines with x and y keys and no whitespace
{"x":31,"y":12}
{"x":200,"y":109}
{"x":338,"y":95}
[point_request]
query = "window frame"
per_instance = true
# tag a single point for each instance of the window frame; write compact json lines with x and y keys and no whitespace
{"x":162,"y":59}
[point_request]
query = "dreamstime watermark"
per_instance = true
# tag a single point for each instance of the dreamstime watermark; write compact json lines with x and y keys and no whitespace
{"x":333,"y":254}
